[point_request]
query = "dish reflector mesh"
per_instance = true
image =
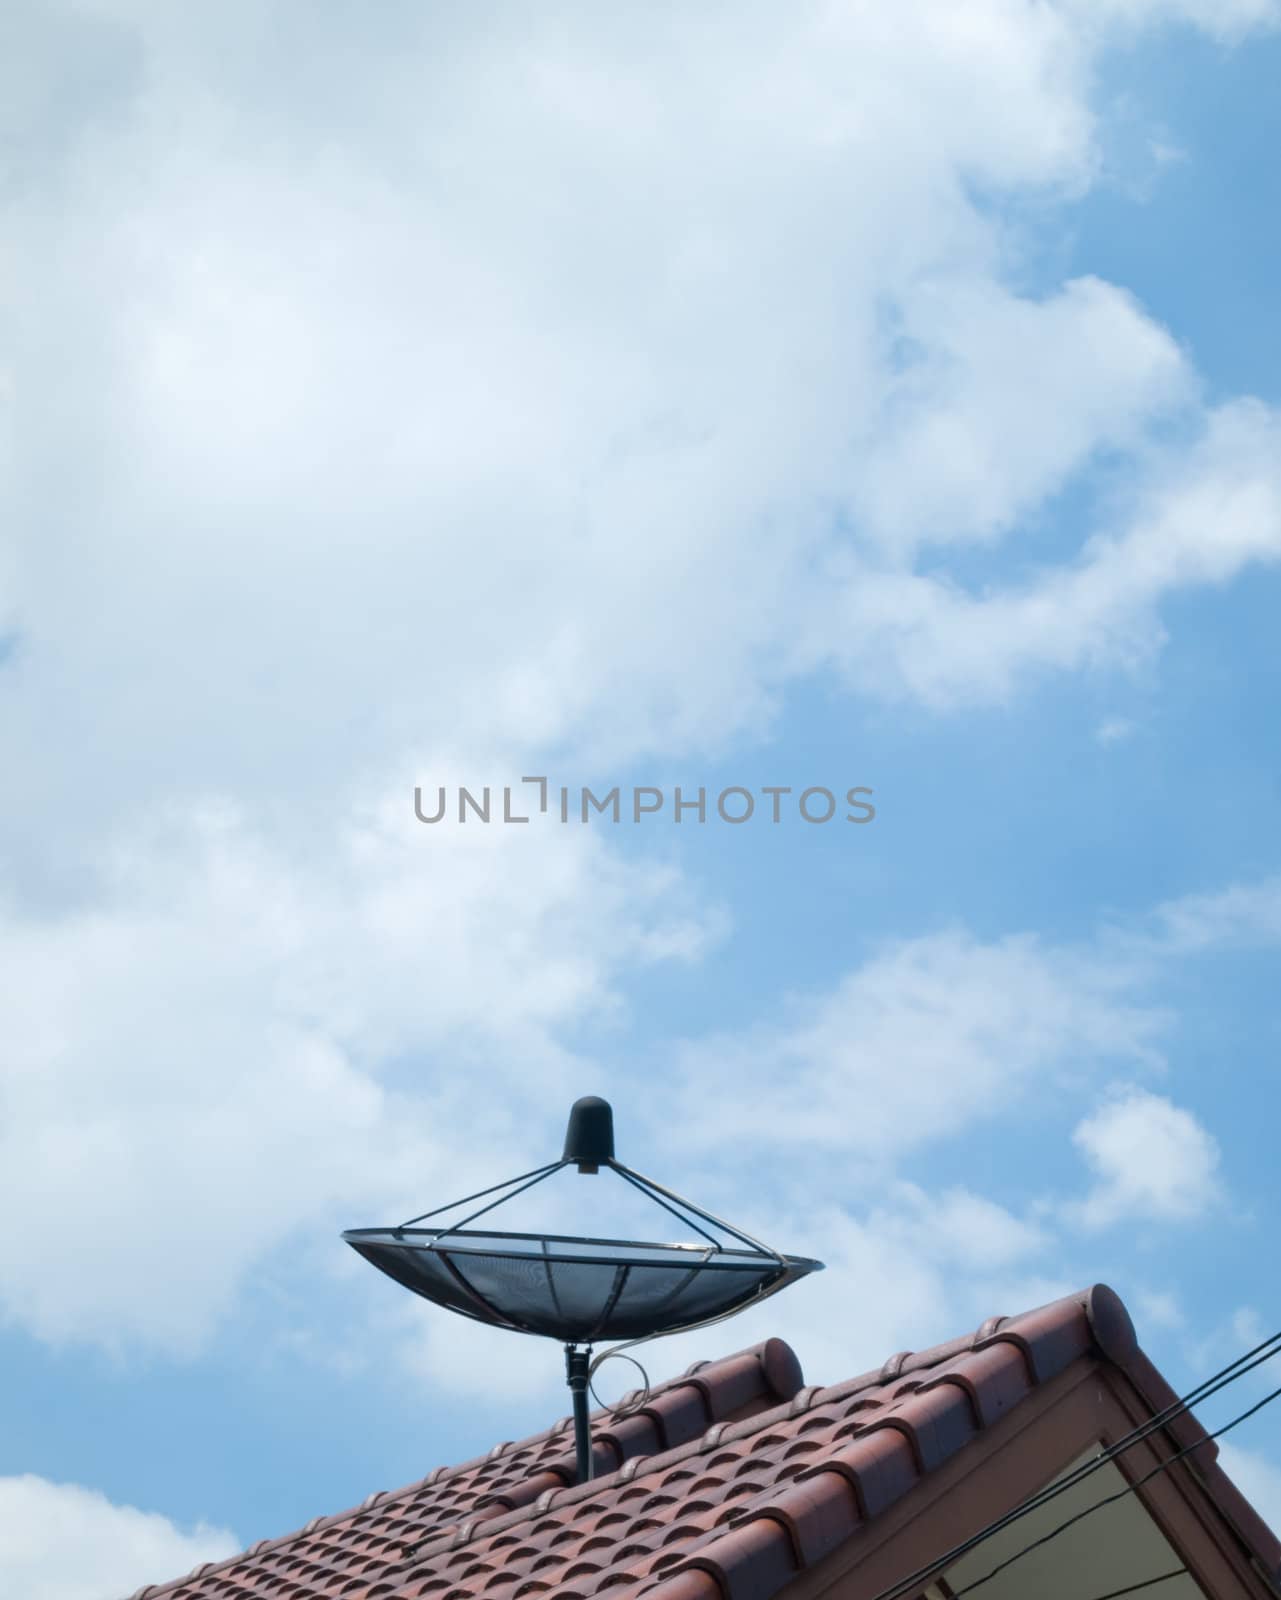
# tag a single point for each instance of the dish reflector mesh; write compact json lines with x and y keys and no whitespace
{"x":574,"y":1290}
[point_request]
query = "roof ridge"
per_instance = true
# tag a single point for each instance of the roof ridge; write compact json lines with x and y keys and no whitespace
{"x":1002,"y":1329}
{"x":789,"y":1527}
{"x":727,"y":1480}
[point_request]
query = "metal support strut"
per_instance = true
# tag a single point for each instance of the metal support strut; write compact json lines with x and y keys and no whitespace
{"x":577,"y":1363}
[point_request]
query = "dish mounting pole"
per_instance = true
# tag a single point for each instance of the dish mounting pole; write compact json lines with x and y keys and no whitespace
{"x":577,"y":1366}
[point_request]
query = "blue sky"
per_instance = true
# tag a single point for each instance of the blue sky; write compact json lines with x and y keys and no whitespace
{"x":866,"y":403}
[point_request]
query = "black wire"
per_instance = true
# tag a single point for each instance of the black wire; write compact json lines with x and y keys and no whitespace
{"x":619,"y":1411}
{"x":1120,"y":1494}
{"x":1211,"y":1385}
{"x":1115,"y":1594}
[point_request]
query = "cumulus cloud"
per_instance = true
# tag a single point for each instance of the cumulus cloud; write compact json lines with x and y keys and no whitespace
{"x":59,"y":1541}
{"x":1152,"y":1160}
{"x":230,"y":1045}
{"x":1196,"y":516}
{"x":1240,"y":915}
{"x":1227,"y":20}
{"x":929,"y":1036}
{"x":239,"y":1052}
{"x":963,"y":443}
{"x":911,"y":1268}
{"x":1158,"y":1308}
{"x":544,"y":392}
{"x":1257,"y":1476}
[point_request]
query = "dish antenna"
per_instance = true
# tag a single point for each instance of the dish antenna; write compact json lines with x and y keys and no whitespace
{"x":580,"y":1290}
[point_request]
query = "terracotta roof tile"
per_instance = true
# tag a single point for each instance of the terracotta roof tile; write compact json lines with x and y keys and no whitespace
{"x":726,"y":1484}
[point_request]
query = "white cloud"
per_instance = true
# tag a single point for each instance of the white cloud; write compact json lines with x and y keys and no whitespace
{"x":1197,"y":516}
{"x":1114,"y":730}
{"x":1229,"y":1338}
{"x":1157,"y":1308}
{"x":553,"y":395}
{"x":928,"y":1037}
{"x":1151,"y":1160}
{"x":1257,"y":1477}
{"x":1226,"y":20}
{"x":1248,"y":1327}
{"x":914,"y":1268}
{"x":970,"y":1231}
{"x":1241,"y":915}
{"x":961,"y":449}
{"x":59,"y":1541}
{"x":235,"y":1047}
{"x":243,"y":1052}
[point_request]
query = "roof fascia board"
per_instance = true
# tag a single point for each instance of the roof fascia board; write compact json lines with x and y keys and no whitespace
{"x":1186,"y":1502}
{"x":1088,"y":1402}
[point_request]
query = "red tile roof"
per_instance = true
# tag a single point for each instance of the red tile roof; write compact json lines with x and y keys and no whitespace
{"x":729,"y":1482}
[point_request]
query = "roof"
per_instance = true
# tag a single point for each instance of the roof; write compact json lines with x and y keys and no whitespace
{"x":737,"y":1480}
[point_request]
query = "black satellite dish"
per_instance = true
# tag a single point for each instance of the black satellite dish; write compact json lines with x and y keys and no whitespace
{"x":578,"y":1290}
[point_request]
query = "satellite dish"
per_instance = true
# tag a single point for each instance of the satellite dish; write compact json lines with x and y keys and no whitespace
{"x":579,"y":1290}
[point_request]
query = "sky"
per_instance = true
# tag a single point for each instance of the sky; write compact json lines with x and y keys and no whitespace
{"x":637,"y":396}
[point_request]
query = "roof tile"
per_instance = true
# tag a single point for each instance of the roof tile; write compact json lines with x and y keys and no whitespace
{"x":723,"y":1485}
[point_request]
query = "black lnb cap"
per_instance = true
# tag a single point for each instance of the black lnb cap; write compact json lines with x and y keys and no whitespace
{"x":589,"y":1138}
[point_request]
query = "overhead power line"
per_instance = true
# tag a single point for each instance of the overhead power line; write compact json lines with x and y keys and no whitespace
{"x":1163,"y":1466}
{"x":1219,"y":1380}
{"x":1133,"y":1588}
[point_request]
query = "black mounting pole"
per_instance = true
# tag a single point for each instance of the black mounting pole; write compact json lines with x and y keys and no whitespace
{"x":576,"y":1365}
